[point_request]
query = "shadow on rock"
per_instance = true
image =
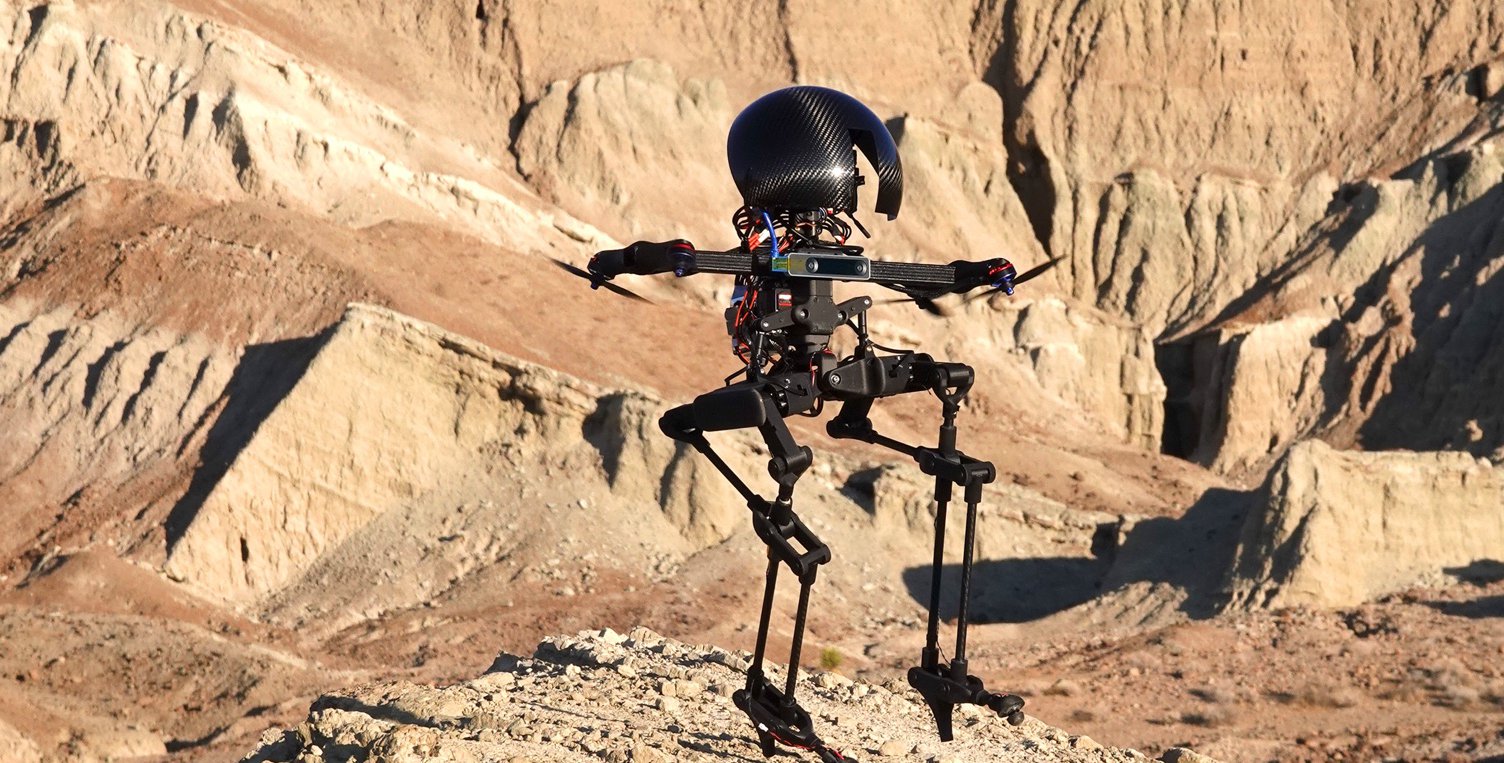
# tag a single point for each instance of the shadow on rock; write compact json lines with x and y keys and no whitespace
{"x":1012,"y":590}
{"x":1457,"y":306}
{"x":266,"y":374}
{"x":1478,"y":572}
{"x":1477,"y":609}
{"x":1191,"y":553}
{"x":379,"y":712}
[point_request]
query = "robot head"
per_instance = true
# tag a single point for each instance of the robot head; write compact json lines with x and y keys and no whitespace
{"x":792,"y":149}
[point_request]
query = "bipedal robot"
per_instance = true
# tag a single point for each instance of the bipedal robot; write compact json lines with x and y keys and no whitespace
{"x":793,"y":157}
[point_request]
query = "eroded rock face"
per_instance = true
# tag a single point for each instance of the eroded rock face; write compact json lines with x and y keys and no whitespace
{"x":1173,"y":152}
{"x":94,"y":410}
{"x":1338,"y":528}
{"x":1375,"y":330}
{"x":394,"y":415}
{"x":600,"y":695}
{"x":633,"y":145}
{"x":201,"y":104}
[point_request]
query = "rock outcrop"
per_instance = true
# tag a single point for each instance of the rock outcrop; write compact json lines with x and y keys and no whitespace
{"x":640,"y":697}
{"x":404,"y":444}
{"x":1173,"y":153}
{"x":93,"y":410}
{"x":394,"y":416}
{"x":1372,"y":332}
{"x":197,"y":103}
{"x":1338,"y":528}
{"x":634,"y":146}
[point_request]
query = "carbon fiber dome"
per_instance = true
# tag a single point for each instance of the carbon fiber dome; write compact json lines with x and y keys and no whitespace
{"x":792,"y":149}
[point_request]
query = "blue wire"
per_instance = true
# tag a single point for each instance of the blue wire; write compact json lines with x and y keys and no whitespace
{"x":772,"y":237}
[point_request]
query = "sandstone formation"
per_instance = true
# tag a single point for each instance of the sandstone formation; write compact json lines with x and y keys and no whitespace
{"x":395,"y":416}
{"x":1280,"y":103}
{"x":1276,"y":229}
{"x":633,"y":146}
{"x":201,"y":104}
{"x":398,"y":434}
{"x":94,"y":407}
{"x":1373,"y":330}
{"x":641,"y":697}
{"x":21,"y":749}
{"x":1334,"y":529}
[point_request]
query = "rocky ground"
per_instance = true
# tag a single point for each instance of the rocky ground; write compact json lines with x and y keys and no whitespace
{"x":292,"y":399}
{"x":601,"y":695}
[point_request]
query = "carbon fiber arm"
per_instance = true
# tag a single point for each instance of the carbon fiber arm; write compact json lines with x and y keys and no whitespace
{"x":899,"y":275}
{"x":677,"y":257}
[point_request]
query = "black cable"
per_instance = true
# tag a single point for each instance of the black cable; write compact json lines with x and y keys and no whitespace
{"x":802,"y":227}
{"x":890,"y":349}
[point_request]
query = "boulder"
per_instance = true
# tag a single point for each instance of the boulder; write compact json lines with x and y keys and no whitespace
{"x":1338,"y":528}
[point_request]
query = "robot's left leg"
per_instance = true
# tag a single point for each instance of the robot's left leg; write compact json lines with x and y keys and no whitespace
{"x":776,"y":715}
{"x":942,"y":686}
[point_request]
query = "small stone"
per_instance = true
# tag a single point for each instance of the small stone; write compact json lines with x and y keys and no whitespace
{"x":642,"y":753}
{"x":453,"y":708}
{"x":1085,"y":742}
{"x":627,"y":671}
{"x":688,"y":688}
{"x":667,"y":688}
{"x":1183,"y":755}
{"x":668,"y":704}
{"x":894,"y":748}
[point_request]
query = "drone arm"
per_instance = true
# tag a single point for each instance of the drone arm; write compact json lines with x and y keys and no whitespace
{"x":642,"y":258}
{"x":996,"y":272}
{"x":682,"y":259}
{"x":921,"y":280}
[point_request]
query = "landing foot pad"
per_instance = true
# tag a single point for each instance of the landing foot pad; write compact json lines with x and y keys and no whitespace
{"x":780,"y":721}
{"x":942,"y":693}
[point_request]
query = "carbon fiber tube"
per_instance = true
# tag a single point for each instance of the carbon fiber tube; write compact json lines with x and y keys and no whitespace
{"x":905,"y":273}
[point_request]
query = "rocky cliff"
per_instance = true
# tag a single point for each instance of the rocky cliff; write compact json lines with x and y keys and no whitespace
{"x":1338,"y":528}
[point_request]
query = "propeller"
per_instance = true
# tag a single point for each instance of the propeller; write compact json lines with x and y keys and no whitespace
{"x":926,"y":304}
{"x":597,"y":282}
{"x":1027,"y":275}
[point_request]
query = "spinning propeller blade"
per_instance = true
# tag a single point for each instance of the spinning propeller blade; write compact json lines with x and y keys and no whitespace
{"x":598,"y":282}
{"x":1035,"y":271}
{"x":923,"y":303}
